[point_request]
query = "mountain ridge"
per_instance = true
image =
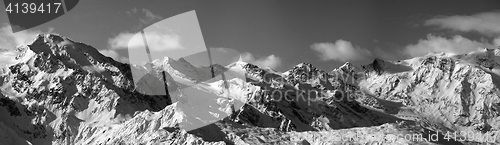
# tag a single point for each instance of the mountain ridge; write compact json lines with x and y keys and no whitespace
{"x":60,"y":91}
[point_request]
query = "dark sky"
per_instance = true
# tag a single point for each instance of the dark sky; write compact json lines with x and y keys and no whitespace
{"x":283,"y":28}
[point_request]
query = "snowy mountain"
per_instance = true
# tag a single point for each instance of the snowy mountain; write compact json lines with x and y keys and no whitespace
{"x":57,"y":88}
{"x":452,"y":93}
{"x":59,"y":91}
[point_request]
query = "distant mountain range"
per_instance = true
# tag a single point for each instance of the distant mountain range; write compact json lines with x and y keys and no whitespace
{"x":59,"y":91}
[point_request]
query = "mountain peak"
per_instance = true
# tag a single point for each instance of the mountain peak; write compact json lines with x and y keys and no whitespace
{"x":169,"y":60}
{"x":48,"y":38}
{"x":305,"y":64}
{"x":242,"y":64}
{"x":55,"y":37}
{"x":346,"y":65}
{"x":165,"y":61}
{"x":56,"y":43}
{"x":182,"y":60}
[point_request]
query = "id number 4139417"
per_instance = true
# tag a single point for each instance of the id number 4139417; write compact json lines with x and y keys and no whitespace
{"x":31,"y":8}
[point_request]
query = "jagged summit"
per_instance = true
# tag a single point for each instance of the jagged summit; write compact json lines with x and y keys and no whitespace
{"x":346,"y":67}
{"x":305,"y":64}
{"x":52,"y":42}
{"x":163,"y":61}
{"x":67,"y":83}
{"x":439,"y":85}
{"x":238,"y":63}
{"x":71,"y":53}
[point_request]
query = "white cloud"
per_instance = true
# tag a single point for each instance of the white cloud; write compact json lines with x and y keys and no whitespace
{"x":150,"y":17}
{"x":156,"y":41}
{"x":342,"y":51}
{"x":487,"y":23}
{"x":270,"y":61}
{"x":157,"y":37}
{"x":113,"y":54}
{"x":455,"y":45}
{"x":9,"y":40}
{"x":496,"y":42}
{"x":146,"y":16}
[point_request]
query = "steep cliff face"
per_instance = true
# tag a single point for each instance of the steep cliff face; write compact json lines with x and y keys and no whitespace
{"x":298,"y":101}
{"x":57,"y":91}
{"x":58,"y":85}
{"x":454,"y":92}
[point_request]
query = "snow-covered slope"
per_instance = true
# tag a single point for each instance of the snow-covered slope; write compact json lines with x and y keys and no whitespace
{"x":58,"y":86}
{"x":58,"y":91}
{"x":452,"y":92}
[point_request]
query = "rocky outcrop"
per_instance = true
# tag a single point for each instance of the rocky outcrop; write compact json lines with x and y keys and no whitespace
{"x":455,"y":92}
{"x":59,"y":85}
